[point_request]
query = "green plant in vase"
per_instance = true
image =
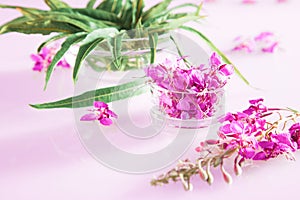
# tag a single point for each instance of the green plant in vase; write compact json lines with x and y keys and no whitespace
{"x":108,"y":23}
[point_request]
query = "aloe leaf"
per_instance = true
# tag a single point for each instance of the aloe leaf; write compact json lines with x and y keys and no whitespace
{"x":107,"y":5}
{"x":56,"y":4}
{"x":115,"y":48}
{"x":100,"y":33}
{"x":118,"y":7}
{"x":88,"y":44}
{"x":65,"y":14}
{"x":139,"y":10}
{"x":68,"y":19}
{"x":64,"y":48}
{"x":108,"y":94}
{"x":155,"y":10}
{"x":83,"y":51}
{"x":52,"y":39}
{"x":127,"y":15}
{"x":153,"y":37}
{"x":133,"y":13}
{"x":165,"y":14}
{"x":29,"y":12}
{"x":102,"y":15}
{"x":175,"y":23}
{"x":30,"y":26}
{"x":215,"y":49}
{"x":91,"y":4}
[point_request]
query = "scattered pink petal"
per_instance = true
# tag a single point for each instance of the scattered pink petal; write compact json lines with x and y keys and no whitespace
{"x":106,"y":121}
{"x":249,"y":1}
{"x":89,"y":117}
{"x":271,"y":48}
{"x":263,"y":36}
{"x":263,"y":42}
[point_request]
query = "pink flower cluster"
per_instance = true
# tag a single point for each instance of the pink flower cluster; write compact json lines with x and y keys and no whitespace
{"x":250,"y":134}
{"x":264,"y":42}
{"x":45,"y":57}
{"x":100,"y":112}
{"x":189,"y":92}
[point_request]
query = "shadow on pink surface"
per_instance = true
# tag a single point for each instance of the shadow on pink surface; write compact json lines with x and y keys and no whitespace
{"x":33,"y":138}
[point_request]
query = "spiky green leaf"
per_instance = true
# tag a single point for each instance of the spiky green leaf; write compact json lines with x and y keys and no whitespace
{"x":71,"y":40}
{"x":37,"y":26}
{"x":155,"y":10}
{"x":83,"y":51}
{"x":115,"y":48}
{"x":107,"y":95}
{"x":56,"y":4}
{"x":90,"y":5}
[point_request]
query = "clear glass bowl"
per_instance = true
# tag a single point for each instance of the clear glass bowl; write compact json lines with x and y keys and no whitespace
{"x":187,"y":109}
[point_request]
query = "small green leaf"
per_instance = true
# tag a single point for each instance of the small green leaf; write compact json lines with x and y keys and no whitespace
{"x":215,"y":49}
{"x":83,"y":51}
{"x":64,"y":48}
{"x":56,"y":4}
{"x":107,"y":95}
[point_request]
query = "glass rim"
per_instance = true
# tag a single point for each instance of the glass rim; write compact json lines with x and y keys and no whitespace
{"x":159,"y":88}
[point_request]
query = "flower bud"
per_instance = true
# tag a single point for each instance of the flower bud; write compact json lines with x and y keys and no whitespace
{"x":226,"y":175}
{"x":202,"y":173}
{"x":184,"y":183}
{"x":237,"y":168}
{"x":210,"y":178}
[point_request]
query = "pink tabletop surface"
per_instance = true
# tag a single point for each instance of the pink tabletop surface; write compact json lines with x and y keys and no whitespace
{"x":41,"y":156}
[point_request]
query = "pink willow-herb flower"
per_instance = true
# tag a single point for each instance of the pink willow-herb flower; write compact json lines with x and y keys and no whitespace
{"x":257,"y":133}
{"x":189,"y":92}
{"x":101,"y":112}
{"x":45,"y":57}
{"x":264,"y":42}
{"x":245,"y":131}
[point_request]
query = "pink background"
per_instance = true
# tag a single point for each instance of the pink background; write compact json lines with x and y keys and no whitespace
{"x":41,"y":156}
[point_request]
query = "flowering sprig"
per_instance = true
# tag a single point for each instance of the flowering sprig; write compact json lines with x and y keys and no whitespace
{"x":44,"y":58}
{"x":189,"y":92}
{"x":265,"y":42}
{"x":247,"y":135}
{"x":100,"y":112}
